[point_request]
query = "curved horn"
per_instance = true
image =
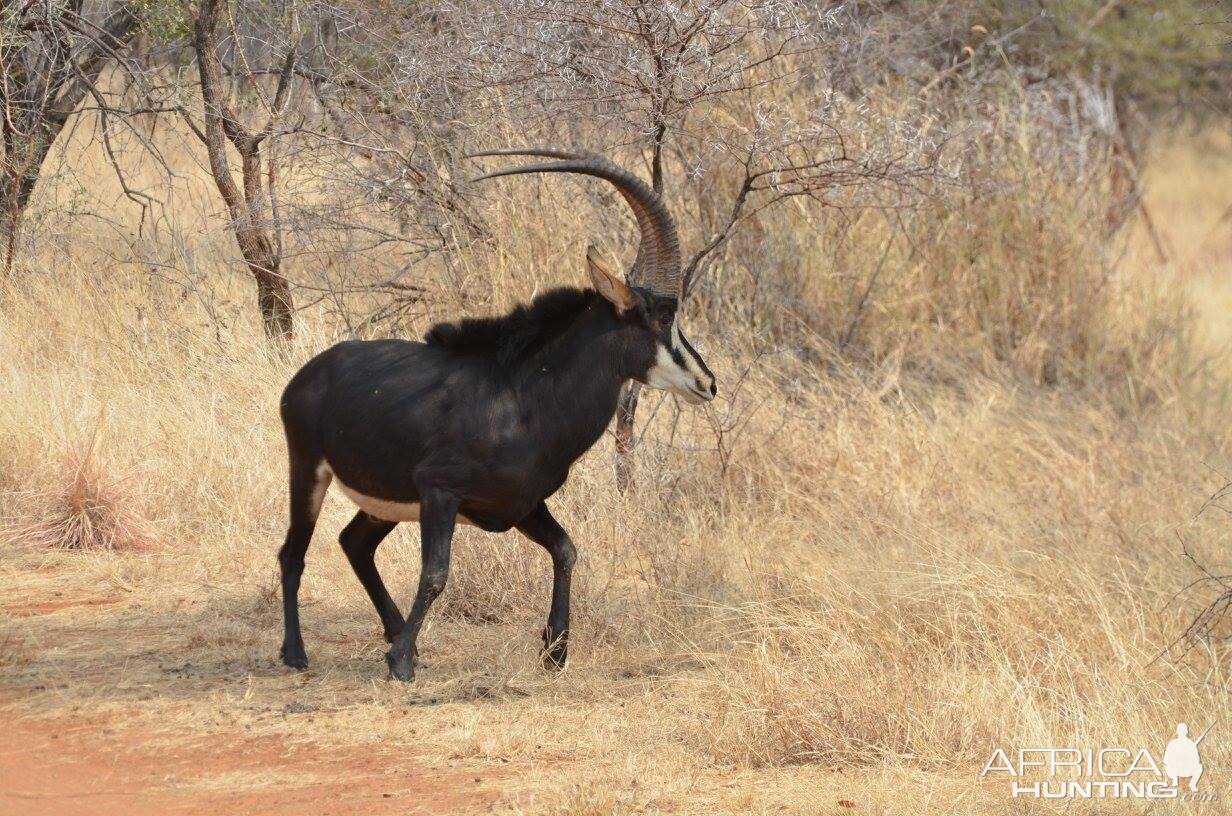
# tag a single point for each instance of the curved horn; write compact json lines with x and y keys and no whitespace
{"x":658,"y":256}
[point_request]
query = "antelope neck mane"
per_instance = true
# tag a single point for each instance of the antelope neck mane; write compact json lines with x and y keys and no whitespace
{"x":513,"y":337}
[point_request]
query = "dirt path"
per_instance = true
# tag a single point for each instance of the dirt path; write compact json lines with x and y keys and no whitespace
{"x":60,"y":763}
{"x":63,"y":767}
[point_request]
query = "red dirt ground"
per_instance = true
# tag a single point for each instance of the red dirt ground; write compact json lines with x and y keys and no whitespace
{"x":62,"y":767}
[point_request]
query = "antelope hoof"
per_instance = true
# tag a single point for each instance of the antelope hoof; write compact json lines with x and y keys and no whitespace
{"x":400,"y":668}
{"x":554,"y":659}
{"x":293,"y":657}
{"x":555,"y":652}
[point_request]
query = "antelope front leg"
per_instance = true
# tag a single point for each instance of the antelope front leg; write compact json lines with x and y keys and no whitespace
{"x":544,"y":530}
{"x":436,"y":522}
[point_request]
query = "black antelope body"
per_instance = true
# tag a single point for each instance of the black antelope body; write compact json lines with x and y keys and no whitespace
{"x":480,"y":423}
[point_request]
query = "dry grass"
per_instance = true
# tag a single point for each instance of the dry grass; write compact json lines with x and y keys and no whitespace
{"x":843,"y":581}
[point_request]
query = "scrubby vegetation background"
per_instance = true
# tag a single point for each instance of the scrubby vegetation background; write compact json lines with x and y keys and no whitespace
{"x":970,"y":321}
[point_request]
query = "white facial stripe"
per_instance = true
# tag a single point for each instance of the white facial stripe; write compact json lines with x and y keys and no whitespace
{"x":689,"y":381}
{"x":691,"y":361}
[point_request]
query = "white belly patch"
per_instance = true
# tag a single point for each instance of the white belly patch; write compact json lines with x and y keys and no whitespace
{"x":379,"y":508}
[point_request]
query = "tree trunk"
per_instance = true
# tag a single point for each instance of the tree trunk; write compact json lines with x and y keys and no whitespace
{"x":17,"y":192}
{"x":274,"y":299}
{"x":273,"y":291}
{"x":255,"y":234}
{"x":12,"y":237}
{"x":277,"y":309}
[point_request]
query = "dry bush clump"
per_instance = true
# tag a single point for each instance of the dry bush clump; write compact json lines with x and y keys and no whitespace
{"x":996,"y":269}
{"x":87,"y":504}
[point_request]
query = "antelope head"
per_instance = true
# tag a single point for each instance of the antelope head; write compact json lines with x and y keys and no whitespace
{"x":647,"y":297}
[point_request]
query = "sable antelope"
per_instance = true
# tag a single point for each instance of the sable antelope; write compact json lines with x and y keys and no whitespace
{"x":480,"y":423}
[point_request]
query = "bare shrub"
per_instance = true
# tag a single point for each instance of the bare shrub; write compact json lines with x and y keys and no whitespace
{"x":52,"y":61}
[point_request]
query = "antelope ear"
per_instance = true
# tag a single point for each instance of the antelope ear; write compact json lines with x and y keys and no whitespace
{"x":608,"y":282}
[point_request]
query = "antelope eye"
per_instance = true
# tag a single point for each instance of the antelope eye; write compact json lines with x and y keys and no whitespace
{"x":665,"y":319}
